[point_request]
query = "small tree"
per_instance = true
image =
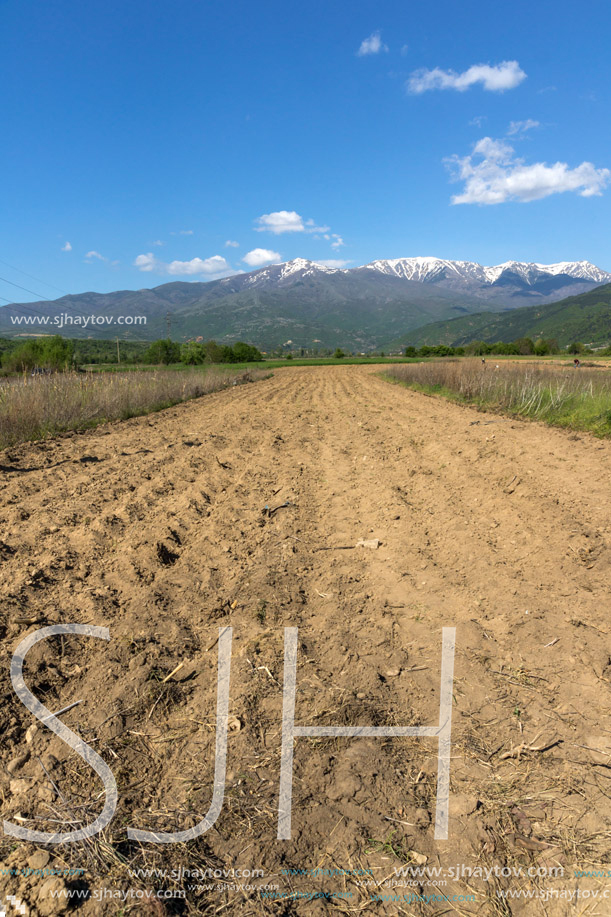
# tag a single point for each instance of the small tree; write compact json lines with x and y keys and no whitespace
{"x":525,"y":346}
{"x":164,"y":352}
{"x":339,"y":354}
{"x":478,"y":348}
{"x":501,"y":347}
{"x":54,"y":353}
{"x":24,"y":358}
{"x":213,"y":353}
{"x":192,"y":353}
{"x":245,"y":353}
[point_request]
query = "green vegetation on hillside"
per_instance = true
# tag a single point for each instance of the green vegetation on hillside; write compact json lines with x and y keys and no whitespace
{"x":586,"y":317}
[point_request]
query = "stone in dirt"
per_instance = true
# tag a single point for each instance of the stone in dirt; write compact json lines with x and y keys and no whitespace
{"x":49,"y":904}
{"x":39,"y":859}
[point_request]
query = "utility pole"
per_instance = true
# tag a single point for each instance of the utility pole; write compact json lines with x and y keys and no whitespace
{"x":168,"y":323}
{"x":118,"y":352}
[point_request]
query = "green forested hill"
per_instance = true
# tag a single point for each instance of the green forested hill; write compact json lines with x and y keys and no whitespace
{"x":585,"y":318}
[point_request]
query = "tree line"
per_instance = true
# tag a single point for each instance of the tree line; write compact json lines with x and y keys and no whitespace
{"x":49,"y":353}
{"x":520,"y":347}
{"x":55,"y":354}
{"x":194,"y":353}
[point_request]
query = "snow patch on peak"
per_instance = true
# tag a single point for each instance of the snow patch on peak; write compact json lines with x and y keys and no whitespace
{"x":276,"y":273}
{"x":423,"y":268}
{"x":530,"y":272}
{"x":583,"y":269}
{"x":427,"y":268}
{"x":298,"y":265}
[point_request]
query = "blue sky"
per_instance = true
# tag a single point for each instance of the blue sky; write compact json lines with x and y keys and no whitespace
{"x":140,"y":138}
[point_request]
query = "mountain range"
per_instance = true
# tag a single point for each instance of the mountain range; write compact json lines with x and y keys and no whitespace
{"x":309,"y":304}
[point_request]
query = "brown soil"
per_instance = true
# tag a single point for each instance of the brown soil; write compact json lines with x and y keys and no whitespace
{"x":154,"y":528}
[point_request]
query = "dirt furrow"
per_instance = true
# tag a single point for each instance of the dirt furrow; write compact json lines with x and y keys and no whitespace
{"x":157,"y":528}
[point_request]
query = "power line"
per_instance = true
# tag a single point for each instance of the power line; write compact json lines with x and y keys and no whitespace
{"x":23,"y":288}
{"x":31,"y":276}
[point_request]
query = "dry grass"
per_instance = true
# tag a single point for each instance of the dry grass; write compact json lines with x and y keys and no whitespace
{"x":560,"y":395}
{"x":33,"y":407}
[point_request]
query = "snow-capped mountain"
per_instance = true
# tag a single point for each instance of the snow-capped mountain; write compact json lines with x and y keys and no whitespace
{"x":511,"y":284}
{"x":513,"y":280}
{"x":581,"y":270}
{"x":430,"y":270}
{"x":288,"y":270}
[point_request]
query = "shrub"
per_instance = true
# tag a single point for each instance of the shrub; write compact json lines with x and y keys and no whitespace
{"x":245,"y":353}
{"x":192,"y":354}
{"x":163,"y":352}
{"x":54,"y":353}
{"x":212,"y":352}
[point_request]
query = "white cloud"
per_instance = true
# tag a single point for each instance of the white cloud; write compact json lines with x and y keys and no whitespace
{"x":66,"y":247}
{"x":493,"y":149}
{"x":520,"y":127}
{"x":91,"y":255}
{"x":337,"y":242}
{"x":260,"y":256}
{"x":216,"y":266}
{"x":492,"y":174}
{"x":231,"y":244}
{"x":372,"y":45}
{"x":146,"y":262}
{"x":506,"y":75}
{"x":281,"y":221}
{"x":477,"y":121}
{"x":333,"y":262}
{"x":404,"y":50}
{"x":158,"y":242}
{"x":310,"y":226}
